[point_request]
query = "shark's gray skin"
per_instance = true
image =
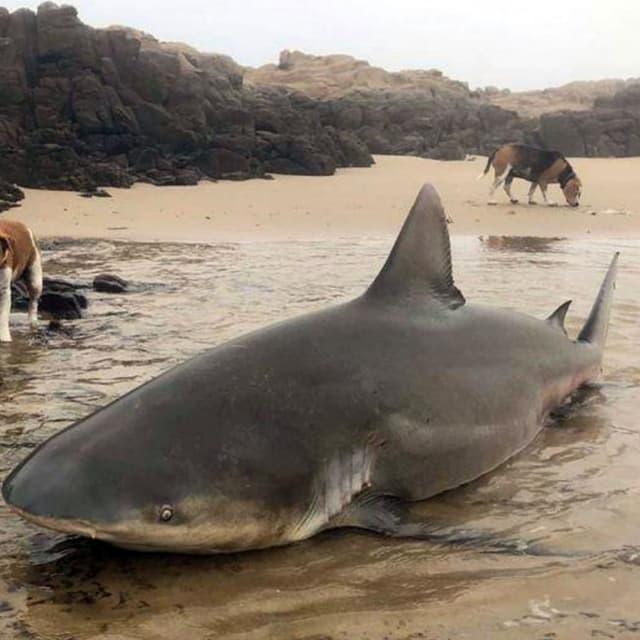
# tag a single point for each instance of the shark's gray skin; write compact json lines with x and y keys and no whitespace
{"x":326,"y":420}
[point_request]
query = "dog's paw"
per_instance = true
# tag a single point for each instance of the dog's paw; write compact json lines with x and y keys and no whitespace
{"x":532,"y":202}
{"x":514,"y":201}
{"x":552,"y":204}
{"x":492,"y":202}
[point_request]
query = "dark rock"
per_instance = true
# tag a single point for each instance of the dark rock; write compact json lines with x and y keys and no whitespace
{"x":60,"y":299}
{"x":561,"y":131}
{"x":109,"y":283}
{"x":62,"y":306}
{"x":605,"y":131}
{"x":10,"y":195}
{"x":448,"y":150}
{"x":82,"y":107}
{"x":421,"y":123}
{"x":95,"y":193}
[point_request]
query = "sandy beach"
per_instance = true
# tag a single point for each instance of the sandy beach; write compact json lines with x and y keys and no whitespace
{"x":354,"y":202}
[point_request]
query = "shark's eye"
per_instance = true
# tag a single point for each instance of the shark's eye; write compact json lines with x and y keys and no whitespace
{"x":166,"y":513}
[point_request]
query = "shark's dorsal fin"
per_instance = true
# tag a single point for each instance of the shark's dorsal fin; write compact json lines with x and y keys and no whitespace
{"x":556,"y":319}
{"x":419,"y":265}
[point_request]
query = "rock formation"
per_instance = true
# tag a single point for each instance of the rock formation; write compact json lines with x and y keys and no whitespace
{"x":610,"y":129}
{"x":81,"y":107}
{"x":574,"y":96}
{"x":425,"y":113}
{"x":421,"y":113}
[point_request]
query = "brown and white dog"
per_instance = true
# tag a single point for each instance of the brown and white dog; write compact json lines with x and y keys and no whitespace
{"x":19,"y":258}
{"x":541,"y":167}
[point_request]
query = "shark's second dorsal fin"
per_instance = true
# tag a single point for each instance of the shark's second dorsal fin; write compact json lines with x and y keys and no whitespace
{"x":419,"y":265}
{"x":556,"y":319}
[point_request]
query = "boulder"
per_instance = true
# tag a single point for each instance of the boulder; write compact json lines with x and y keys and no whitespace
{"x":109,"y":283}
{"x":60,"y":299}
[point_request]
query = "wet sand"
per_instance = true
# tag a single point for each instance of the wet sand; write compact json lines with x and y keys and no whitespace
{"x":353,"y":203}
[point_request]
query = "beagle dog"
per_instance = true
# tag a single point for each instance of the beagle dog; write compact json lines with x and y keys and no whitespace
{"x":538,"y":166}
{"x":19,"y":258}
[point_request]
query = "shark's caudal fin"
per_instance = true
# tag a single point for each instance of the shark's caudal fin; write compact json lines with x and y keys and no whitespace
{"x":419,"y":265}
{"x":595,"y":328}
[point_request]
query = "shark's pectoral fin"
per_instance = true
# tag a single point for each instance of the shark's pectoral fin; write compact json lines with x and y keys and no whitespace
{"x":556,"y":319}
{"x":419,"y":265}
{"x":374,"y":512}
{"x":392,"y":517}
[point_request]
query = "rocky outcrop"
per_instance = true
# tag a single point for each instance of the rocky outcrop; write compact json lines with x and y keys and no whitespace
{"x":424,"y":113}
{"x":610,"y":129}
{"x":421,"y":113}
{"x":574,"y":96}
{"x":334,"y":76}
{"x":81,"y":107}
{"x":422,"y":124}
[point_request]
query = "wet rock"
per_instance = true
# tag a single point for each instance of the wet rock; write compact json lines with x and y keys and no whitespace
{"x":108,"y":283}
{"x":60,"y":299}
{"x":61,"y":306}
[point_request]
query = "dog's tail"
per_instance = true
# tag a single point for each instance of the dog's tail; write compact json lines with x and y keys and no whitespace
{"x":488,"y":166}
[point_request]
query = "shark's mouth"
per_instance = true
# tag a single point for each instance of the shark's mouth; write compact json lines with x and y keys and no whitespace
{"x":62,"y":525}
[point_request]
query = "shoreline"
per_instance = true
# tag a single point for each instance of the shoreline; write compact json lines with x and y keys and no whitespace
{"x":356,"y":202}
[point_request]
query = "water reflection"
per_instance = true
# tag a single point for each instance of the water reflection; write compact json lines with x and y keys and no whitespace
{"x":519,"y":244}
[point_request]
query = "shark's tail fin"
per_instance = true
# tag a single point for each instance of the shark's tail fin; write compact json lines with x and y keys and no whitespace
{"x":595,"y":328}
{"x":487,"y":166}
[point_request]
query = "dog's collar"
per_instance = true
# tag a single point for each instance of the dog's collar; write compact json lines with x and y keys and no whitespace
{"x":565,"y":175}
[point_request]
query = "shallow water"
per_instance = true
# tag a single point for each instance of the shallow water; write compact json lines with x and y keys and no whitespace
{"x":575,"y":492}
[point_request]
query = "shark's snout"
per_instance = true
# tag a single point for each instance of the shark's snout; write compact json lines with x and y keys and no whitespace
{"x":46,"y":486}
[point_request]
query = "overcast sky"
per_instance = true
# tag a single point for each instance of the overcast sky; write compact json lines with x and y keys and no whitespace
{"x":520,"y":45}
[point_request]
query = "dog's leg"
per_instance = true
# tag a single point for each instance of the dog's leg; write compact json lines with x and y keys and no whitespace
{"x":532,"y":189}
{"x":507,"y":188}
{"x":498,"y":180}
{"x":34,"y":285}
{"x":5,"y":303}
{"x":543,"y":188}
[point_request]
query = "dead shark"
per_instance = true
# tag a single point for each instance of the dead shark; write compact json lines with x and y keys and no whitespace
{"x":331,"y":419}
